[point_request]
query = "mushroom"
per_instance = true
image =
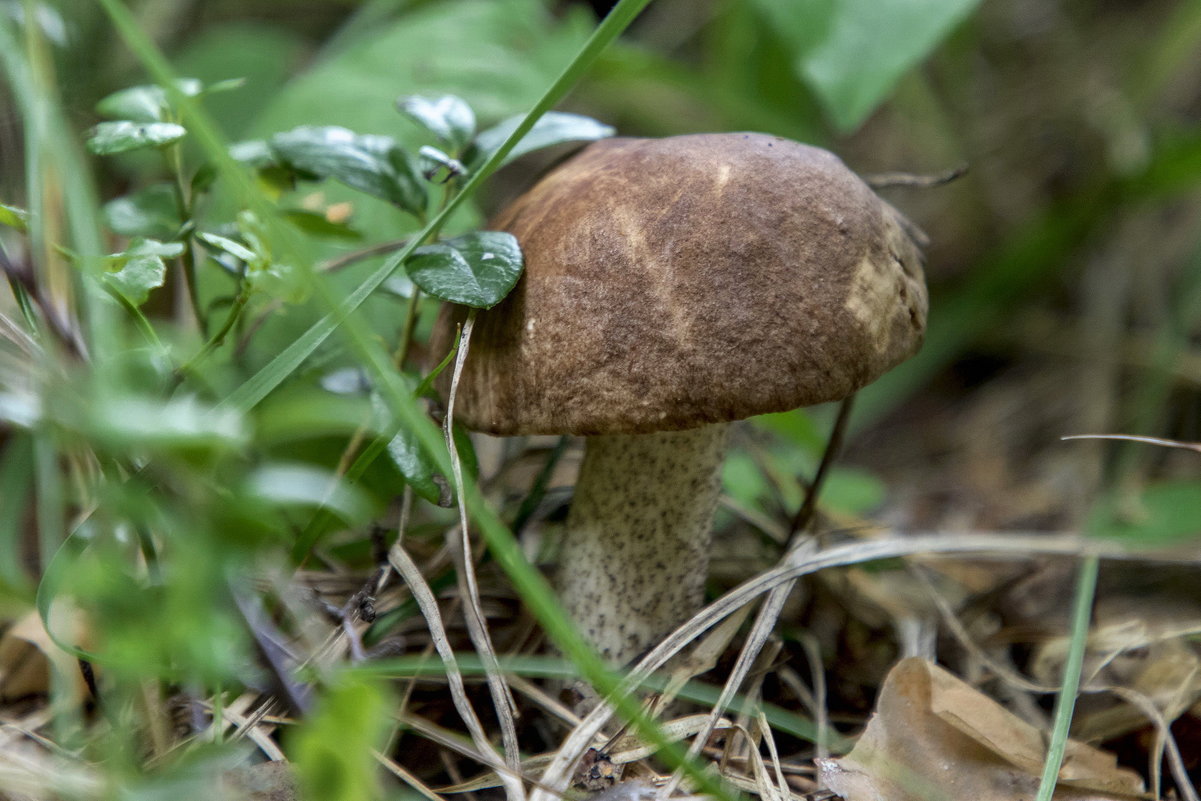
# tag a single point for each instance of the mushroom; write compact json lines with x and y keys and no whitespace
{"x":672,"y":286}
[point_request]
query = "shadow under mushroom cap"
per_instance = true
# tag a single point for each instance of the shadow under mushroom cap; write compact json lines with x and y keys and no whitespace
{"x":672,"y":283}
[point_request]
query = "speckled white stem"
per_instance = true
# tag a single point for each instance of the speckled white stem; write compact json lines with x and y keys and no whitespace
{"x":636,"y":551}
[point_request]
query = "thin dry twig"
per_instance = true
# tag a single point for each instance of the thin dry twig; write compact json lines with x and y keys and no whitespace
{"x":773,"y":752}
{"x":1167,"y":443}
{"x":1164,"y":742}
{"x":397,"y":770}
{"x":544,"y":700}
{"x":477,"y":626}
{"x":821,"y":716}
{"x":887,"y":180}
{"x":424,"y":596}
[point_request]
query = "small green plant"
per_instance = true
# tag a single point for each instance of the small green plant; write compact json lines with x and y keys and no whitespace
{"x":188,"y":497}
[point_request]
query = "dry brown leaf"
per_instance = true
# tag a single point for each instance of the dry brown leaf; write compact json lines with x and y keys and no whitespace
{"x":26,"y":653}
{"x":935,"y":737}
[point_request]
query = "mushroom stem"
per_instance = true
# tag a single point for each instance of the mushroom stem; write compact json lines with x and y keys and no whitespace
{"x":636,"y":550}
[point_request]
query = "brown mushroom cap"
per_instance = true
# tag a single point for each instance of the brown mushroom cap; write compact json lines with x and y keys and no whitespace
{"x":671,"y":283}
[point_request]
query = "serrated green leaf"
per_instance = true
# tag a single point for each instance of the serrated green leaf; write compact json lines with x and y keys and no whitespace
{"x":447,"y":117}
{"x":1165,"y":513}
{"x":109,"y":138}
{"x":13,"y":217}
{"x":151,"y":212}
{"x":373,"y":164}
{"x":553,"y":128}
{"x":852,"y":52}
{"x":144,"y":103}
{"x":477,"y":269}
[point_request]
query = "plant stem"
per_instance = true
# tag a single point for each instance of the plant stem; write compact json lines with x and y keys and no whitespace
{"x":218,"y":338}
{"x":333,"y":265}
{"x":804,"y":515}
{"x":406,"y":336}
{"x":187,"y":260}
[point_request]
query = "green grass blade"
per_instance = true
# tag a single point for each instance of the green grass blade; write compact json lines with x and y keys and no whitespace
{"x":1065,"y":703}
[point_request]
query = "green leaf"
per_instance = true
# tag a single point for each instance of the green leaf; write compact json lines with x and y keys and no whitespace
{"x":447,"y":117}
{"x":1167,"y":513}
{"x":223,"y":243}
{"x":140,"y":269}
{"x":302,"y":485}
{"x":264,"y":271}
{"x":743,"y":481}
{"x":137,"y":278}
{"x":151,"y":212}
{"x":418,"y":468}
{"x":13,"y":217}
{"x":851,"y":53}
{"x":552,"y":128}
{"x":398,"y":285}
{"x":498,"y":55}
{"x":333,"y":748}
{"x":185,"y":422}
{"x":227,"y":85}
{"x":153,"y":247}
{"x":151,"y":103}
{"x":373,"y":164}
{"x":477,"y":269}
{"x":108,"y":138}
{"x":254,"y":153}
{"x":144,"y":103}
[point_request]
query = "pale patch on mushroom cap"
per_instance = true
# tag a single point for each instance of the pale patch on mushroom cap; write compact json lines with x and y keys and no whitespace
{"x":671,"y":283}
